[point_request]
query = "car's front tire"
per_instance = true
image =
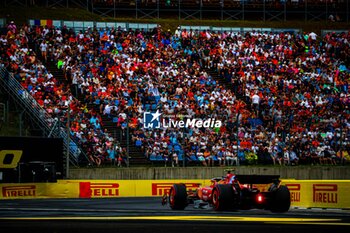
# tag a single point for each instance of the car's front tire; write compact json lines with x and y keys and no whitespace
{"x":178,"y":197}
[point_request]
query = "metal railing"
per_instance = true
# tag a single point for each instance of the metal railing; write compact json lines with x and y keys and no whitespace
{"x":50,"y":127}
{"x":2,"y":112}
{"x":265,"y":10}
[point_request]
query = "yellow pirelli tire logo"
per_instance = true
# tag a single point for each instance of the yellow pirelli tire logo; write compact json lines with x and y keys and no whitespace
{"x":10,"y":158}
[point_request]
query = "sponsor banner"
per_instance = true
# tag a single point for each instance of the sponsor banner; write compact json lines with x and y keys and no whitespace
{"x":294,"y":190}
{"x":319,"y":194}
{"x":304,"y":193}
{"x":162,"y":188}
{"x":19,"y":191}
{"x":38,"y":190}
{"x":98,"y":189}
{"x":130,"y":188}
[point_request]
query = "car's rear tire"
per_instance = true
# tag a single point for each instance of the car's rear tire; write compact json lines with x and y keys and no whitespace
{"x":280,"y":201}
{"x":178,"y":197}
{"x":245,"y":199}
{"x":223,"y":197}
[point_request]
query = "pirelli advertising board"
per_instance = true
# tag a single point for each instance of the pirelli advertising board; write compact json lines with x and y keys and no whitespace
{"x":135,"y":188}
{"x":93,"y":188}
{"x":304,"y":193}
{"x":38,"y":190}
{"x":323,"y":194}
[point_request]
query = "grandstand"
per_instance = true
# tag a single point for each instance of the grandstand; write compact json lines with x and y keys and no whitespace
{"x":282,"y":95}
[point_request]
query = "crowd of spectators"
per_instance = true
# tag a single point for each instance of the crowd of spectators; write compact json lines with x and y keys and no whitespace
{"x":20,"y":59}
{"x":287,"y":103}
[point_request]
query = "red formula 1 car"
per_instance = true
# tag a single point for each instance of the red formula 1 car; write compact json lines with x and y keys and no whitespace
{"x":232,"y":192}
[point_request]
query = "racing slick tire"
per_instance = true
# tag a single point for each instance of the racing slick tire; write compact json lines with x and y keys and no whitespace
{"x":178,"y":197}
{"x":280,"y":201}
{"x":223,"y":197}
{"x":245,"y":199}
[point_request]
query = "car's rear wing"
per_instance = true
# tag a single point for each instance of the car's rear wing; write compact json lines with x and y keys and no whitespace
{"x":257,"y":179}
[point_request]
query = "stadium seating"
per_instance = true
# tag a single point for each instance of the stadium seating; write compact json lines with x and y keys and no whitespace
{"x":283,"y":92}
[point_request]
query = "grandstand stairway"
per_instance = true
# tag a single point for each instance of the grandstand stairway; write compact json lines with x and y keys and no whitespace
{"x":223,"y":82}
{"x":136,"y":155}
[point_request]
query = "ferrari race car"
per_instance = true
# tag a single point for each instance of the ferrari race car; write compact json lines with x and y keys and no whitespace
{"x":232,"y":192}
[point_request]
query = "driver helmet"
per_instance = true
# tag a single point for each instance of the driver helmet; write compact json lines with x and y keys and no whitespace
{"x":230,"y":177}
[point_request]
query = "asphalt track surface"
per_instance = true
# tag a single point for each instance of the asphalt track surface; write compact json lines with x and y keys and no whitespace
{"x":147,"y":215}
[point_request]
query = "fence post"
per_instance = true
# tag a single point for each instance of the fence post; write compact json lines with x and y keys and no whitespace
{"x":327,"y":10}
{"x":157,"y":9}
{"x":68,"y":141}
{"x":264,"y":9}
{"x":243,"y":2}
{"x":347,"y":11}
{"x":7,"y":111}
{"x":222,"y":2}
{"x":136,"y":8}
{"x":127,"y":139}
{"x":179,"y":1}
{"x":21,"y":123}
{"x":305,"y":10}
{"x":114,"y":12}
{"x":285,"y":11}
{"x":3,"y":113}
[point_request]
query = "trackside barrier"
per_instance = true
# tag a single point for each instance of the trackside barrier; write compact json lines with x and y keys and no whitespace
{"x":304,"y":193}
{"x":102,"y":25}
{"x":84,"y":25}
{"x":39,"y":190}
{"x":93,"y":188}
{"x":324,"y":32}
{"x":319,"y":193}
{"x":242,"y":30}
